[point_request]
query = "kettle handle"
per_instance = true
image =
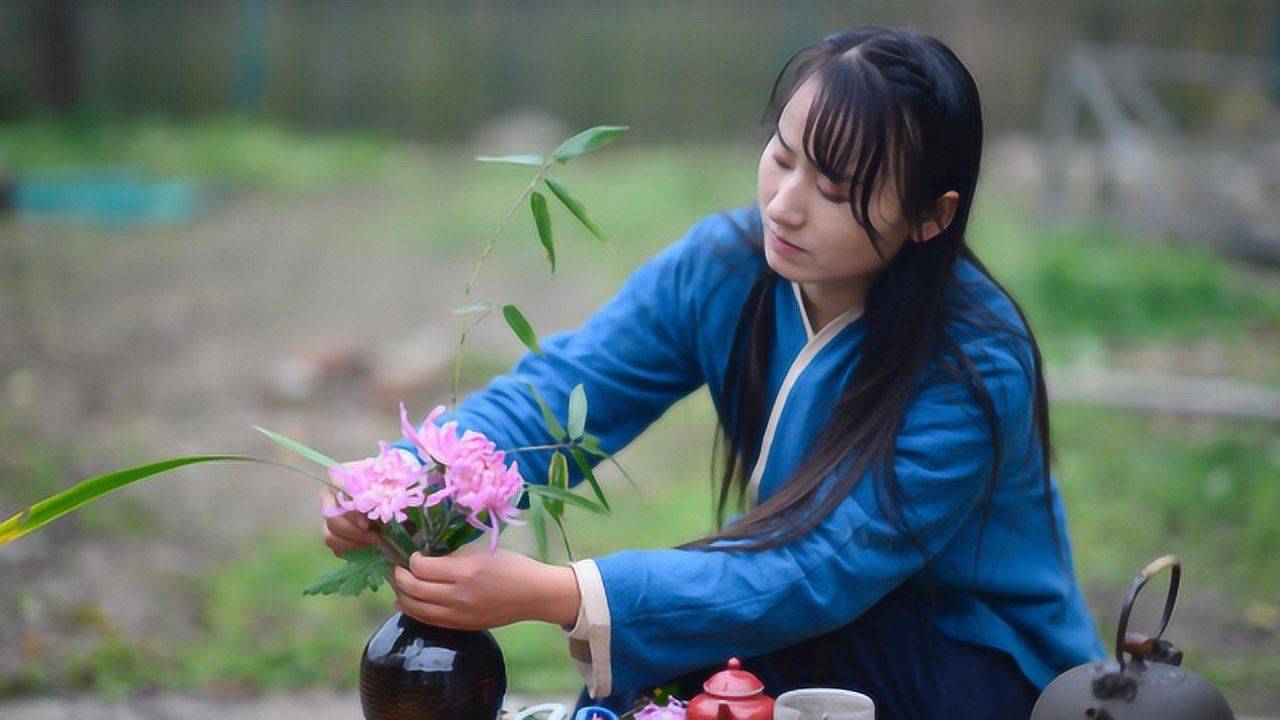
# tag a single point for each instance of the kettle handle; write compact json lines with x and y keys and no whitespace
{"x":1160,"y":564}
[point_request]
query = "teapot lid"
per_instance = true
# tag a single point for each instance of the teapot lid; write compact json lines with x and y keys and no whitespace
{"x":733,"y":682}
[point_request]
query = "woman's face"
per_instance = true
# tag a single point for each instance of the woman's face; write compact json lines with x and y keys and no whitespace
{"x":810,"y":234}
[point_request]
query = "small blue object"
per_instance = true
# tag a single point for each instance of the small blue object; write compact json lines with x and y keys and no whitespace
{"x":113,"y":196}
{"x":595,"y":712}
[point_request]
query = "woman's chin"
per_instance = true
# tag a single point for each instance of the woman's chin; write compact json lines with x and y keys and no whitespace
{"x":788,"y":268}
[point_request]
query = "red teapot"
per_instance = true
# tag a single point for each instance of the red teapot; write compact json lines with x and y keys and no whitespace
{"x":731,"y":694}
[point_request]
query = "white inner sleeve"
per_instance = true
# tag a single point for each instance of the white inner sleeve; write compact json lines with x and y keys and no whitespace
{"x":589,"y":637}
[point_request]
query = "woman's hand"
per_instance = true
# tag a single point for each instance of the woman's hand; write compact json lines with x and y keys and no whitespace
{"x":471,"y":589}
{"x":347,"y":531}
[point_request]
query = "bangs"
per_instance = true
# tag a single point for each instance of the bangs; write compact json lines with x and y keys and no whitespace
{"x":854,"y":131}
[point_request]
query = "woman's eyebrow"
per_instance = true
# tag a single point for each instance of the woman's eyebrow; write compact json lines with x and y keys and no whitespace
{"x":778,"y":131}
{"x":843,"y":179}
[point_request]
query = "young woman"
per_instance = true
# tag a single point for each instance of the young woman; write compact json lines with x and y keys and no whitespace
{"x":884,"y":413}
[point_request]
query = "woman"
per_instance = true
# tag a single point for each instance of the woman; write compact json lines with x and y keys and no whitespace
{"x":884,"y":413}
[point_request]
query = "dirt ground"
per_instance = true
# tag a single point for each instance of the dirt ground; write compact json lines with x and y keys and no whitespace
{"x":123,"y":347}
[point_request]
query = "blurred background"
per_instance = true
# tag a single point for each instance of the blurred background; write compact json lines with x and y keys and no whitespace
{"x":236,"y":212}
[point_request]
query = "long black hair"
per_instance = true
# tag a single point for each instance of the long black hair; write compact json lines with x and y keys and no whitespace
{"x":899,"y":102}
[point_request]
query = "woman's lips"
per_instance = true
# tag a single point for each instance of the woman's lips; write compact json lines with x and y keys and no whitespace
{"x":781,"y":245}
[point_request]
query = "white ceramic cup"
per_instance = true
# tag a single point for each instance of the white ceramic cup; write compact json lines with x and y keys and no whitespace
{"x":815,"y":703}
{"x":554,"y":711}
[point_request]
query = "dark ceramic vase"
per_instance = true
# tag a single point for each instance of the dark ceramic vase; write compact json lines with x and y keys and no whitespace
{"x":414,"y":671}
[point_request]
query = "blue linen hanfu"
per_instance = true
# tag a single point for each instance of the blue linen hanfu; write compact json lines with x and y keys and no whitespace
{"x":841,"y":605}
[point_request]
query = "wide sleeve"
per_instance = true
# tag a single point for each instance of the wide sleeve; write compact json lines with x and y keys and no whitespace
{"x":672,"y":611}
{"x":635,"y":357}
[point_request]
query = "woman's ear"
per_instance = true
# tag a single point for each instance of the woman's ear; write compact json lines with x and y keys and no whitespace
{"x":944,"y":211}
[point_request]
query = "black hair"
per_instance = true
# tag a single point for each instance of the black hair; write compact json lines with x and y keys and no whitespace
{"x":892,"y":101}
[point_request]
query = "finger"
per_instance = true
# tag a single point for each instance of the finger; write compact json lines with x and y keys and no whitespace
{"x":336,"y":543}
{"x":430,"y":592}
{"x":327,"y":498}
{"x":345,"y":528}
{"x":433,"y":569}
{"x":427,"y":613}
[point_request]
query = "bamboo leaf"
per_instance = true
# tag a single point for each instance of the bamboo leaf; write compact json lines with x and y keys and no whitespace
{"x":576,"y":207}
{"x":577,"y":411}
{"x":557,"y":477}
{"x":521,"y":327}
{"x":472,"y":307}
{"x":306,"y":452}
{"x":581,"y":460}
{"x":588,"y":140}
{"x":564,"y":536}
{"x":567,"y":496}
{"x":553,"y":426}
{"x":591,"y":444}
{"x":539,"y":523}
{"x":542,"y":219}
{"x":534,"y":160}
{"x":56,"y":506}
{"x":624,"y":472}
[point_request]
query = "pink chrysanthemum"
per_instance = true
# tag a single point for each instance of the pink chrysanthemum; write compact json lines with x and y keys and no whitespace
{"x":674,"y":710}
{"x":441,"y":442}
{"x":381,"y":487}
{"x":468,"y":470}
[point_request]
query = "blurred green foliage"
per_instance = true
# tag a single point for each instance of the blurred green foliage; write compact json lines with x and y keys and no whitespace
{"x":227,"y":150}
{"x":1136,"y":485}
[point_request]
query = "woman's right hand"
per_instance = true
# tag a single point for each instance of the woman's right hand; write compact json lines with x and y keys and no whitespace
{"x":347,"y":531}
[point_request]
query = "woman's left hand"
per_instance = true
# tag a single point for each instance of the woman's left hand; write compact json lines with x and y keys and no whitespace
{"x":471,"y":589}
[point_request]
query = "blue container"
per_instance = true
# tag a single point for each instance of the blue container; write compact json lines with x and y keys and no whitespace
{"x":113,"y":196}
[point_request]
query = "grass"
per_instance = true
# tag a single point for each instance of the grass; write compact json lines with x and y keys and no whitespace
{"x":1135,"y":485}
{"x":227,"y":151}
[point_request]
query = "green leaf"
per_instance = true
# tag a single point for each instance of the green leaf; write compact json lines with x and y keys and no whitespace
{"x":521,"y":327}
{"x":577,"y":411}
{"x":472,"y":307}
{"x":365,"y":569}
{"x":534,"y":160}
{"x":567,"y":496}
{"x":553,"y":426}
{"x":542,"y":219}
{"x":581,"y":460}
{"x":539,"y":524}
{"x":306,"y":452}
{"x":401,"y":535}
{"x":557,"y":477}
{"x":564,"y":536}
{"x":588,"y":140}
{"x":56,"y":506}
{"x":624,"y":472}
{"x":591,"y":444}
{"x":577,"y":208}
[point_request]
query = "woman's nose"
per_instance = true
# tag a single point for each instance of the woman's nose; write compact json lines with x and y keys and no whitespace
{"x":786,"y":209}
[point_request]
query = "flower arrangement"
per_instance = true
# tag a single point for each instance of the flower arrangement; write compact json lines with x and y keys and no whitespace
{"x":673,"y":710}
{"x":445,"y":489}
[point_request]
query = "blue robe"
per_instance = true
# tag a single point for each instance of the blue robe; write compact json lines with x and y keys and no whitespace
{"x":665,"y":334}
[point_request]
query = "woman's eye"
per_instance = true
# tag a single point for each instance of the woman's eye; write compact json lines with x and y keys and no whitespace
{"x":839,"y":200}
{"x":781,"y":163}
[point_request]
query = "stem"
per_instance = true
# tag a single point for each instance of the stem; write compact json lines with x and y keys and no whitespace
{"x":475,"y":272}
{"x":557,"y":446}
{"x":439,"y":535}
{"x":393,"y":552}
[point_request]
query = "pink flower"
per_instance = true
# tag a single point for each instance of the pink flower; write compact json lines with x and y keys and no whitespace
{"x":441,"y":442}
{"x":673,"y":711}
{"x":380,"y":487}
{"x":480,"y":483}
{"x":470,"y":471}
